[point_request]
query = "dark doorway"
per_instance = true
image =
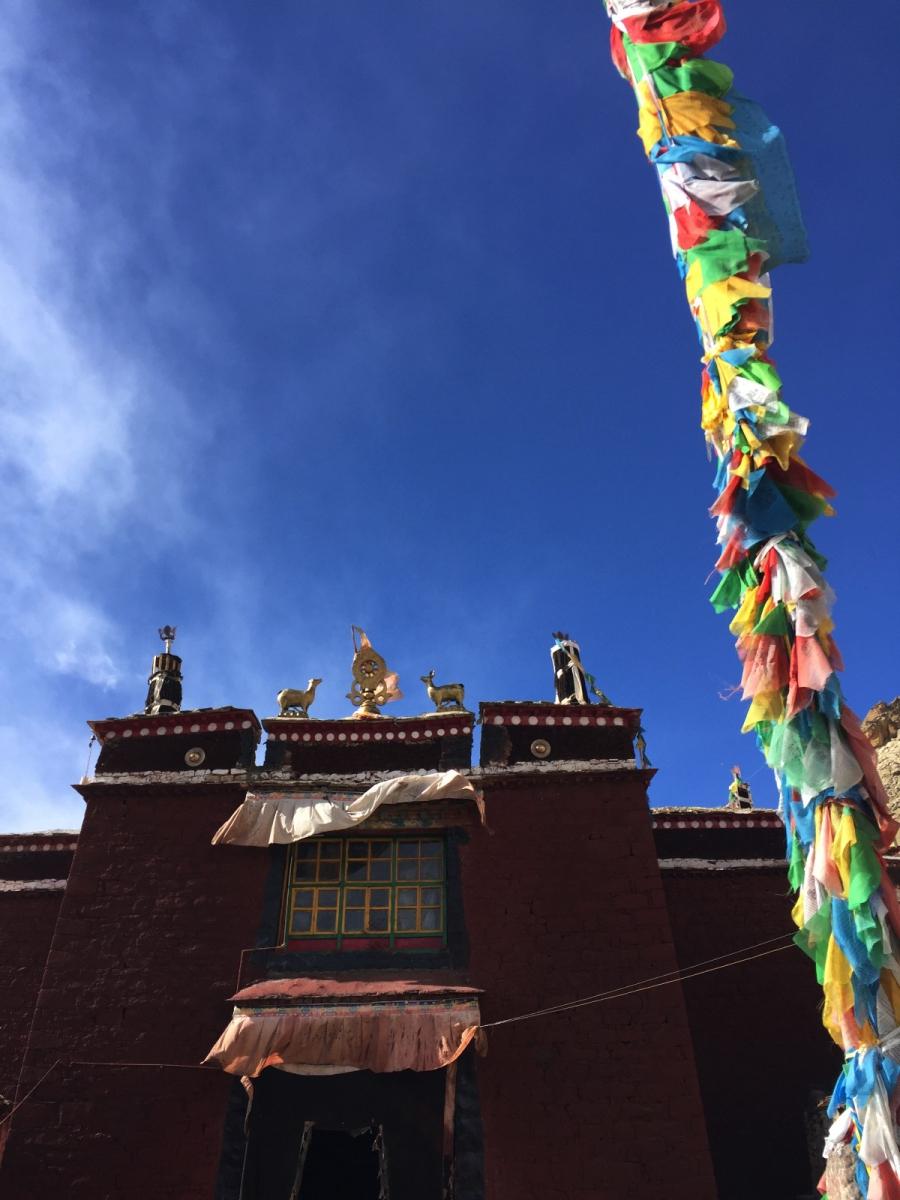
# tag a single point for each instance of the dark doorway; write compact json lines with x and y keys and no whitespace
{"x":404,"y":1108}
{"x":342,"y":1164}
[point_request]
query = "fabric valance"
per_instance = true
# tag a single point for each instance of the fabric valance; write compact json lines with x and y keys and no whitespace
{"x":276,"y":818}
{"x":406,"y":1029}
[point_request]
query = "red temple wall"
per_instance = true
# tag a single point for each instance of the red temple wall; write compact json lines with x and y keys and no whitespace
{"x":145,"y":955}
{"x":27,"y":920}
{"x":563,"y":899}
{"x":758,"y":1038}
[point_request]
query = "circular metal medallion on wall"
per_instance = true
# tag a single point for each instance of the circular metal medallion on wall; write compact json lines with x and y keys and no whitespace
{"x":540,"y":748}
{"x":195,"y":757}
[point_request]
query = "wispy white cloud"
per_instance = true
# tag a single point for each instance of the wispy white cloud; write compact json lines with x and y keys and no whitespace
{"x":90,"y":418}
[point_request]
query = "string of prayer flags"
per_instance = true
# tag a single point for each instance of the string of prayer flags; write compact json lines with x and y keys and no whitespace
{"x":733,"y":215}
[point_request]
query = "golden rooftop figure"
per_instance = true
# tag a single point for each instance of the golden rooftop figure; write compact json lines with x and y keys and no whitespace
{"x":295,"y":703}
{"x":446,"y":697}
{"x":373,"y":684}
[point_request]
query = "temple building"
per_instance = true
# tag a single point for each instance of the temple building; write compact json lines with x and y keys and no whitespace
{"x":372,"y":968}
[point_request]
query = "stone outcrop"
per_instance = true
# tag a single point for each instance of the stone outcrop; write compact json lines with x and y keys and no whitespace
{"x":882,"y":727}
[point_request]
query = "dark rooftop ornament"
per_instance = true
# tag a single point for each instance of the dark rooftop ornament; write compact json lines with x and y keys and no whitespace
{"x":570,"y":678}
{"x":164,"y":690}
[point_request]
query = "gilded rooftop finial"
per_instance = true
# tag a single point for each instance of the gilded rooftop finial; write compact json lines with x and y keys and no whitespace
{"x":373,"y":684}
{"x":164,"y":683}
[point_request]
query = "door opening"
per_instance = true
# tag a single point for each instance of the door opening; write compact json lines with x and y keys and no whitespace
{"x":339,"y":1163}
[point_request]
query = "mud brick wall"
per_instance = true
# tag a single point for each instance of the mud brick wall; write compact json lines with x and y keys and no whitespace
{"x":563,"y":898}
{"x":144,"y":956}
{"x":757,"y":1030}
{"x":27,"y":920}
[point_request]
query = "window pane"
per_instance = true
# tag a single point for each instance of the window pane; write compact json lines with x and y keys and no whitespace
{"x":357,"y":870}
{"x":430,"y":868}
{"x":307,"y":850}
{"x":303,"y":899}
{"x":379,"y":897}
{"x":406,"y":919}
{"x":431,"y":895}
{"x":408,"y":868}
{"x":327,"y":898}
{"x":431,"y":918}
{"x":305,"y":870}
{"x":407,"y":896}
{"x":380,"y":869}
{"x":329,"y":872}
{"x":326,"y":922}
{"x":330,"y":850}
{"x":355,"y":897}
{"x":408,"y":849}
{"x":358,"y":850}
{"x":381,"y":849}
{"x":301,"y":922}
{"x":378,"y":920}
{"x":353,"y":920}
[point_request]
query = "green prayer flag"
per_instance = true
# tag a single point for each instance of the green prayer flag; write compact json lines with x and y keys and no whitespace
{"x":776,"y":623}
{"x":813,"y":937}
{"x":695,"y":75}
{"x":865,"y":869}
{"x":805,"y":505}
{"x":796,"y":869}
{"x":723,"y":253}
{"x":762,"y":373}
{"x":728,"y":591}
{"x":649,"y":56}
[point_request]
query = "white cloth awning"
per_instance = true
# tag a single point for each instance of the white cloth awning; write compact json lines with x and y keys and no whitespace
{"x":277,"y":818}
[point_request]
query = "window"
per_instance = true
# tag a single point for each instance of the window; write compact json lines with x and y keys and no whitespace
{"x":372,"y":887}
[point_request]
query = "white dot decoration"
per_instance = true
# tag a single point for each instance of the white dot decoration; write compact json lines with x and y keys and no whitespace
{"x":390,"y":736}
{"x":429,"y":733}
{"x":108,"y":738}
{"x":295,"y":737}
{"x":467,"y":729}
{"x":618,"y":720}
{"x":601,"y":720}
{"x":127,"y":733}
{"x":144,"y":732}
{"x":498,"y":720}
{"x":584,"y":720}
{"x":517,"y":720}
{"x":342,"y":737}
{"x":441,"y":732}
{"x":195,"y":729}
{"x":415,"y":733}
{"x":246,"y":724}
{"x":377,"y":737}
{"x":212,"y":727}
{"x":229,"y":724}
{"x":307,"y":737}
{"x":354,"y":737}
{"x":282,"y":737}
{"x":551,"y":721}
{"x":178,"y":729}
{"x":532,"y":720}
{"x":454,"y":731}
{"x":161,"y":731}
{"x":329,"y":737}
{"x":567,"y":720}
{"x":365,"y":737}
{"x":318,"y":737}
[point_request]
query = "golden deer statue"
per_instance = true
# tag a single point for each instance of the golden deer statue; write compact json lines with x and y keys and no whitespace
{"x":443,"y":696}
{"x":294,"y":703}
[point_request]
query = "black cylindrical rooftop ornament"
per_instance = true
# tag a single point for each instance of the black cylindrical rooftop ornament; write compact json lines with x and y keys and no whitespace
{"x":164,"y":683}
{"x":568,"y":673}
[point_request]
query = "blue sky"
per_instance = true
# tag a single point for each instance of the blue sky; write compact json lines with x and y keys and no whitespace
{"x":327,"y":313}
